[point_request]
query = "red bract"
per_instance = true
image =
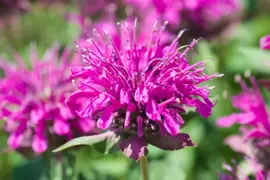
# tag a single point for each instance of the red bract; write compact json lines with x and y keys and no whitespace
{"x":33,"y":101}
{"x":140,"y":88}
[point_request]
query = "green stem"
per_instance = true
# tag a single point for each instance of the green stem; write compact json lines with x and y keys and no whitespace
{"x":47,"y":163}
{"x":144,"y":167}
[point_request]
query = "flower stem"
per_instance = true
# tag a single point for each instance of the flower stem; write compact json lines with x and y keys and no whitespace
{"x":144,"y":167}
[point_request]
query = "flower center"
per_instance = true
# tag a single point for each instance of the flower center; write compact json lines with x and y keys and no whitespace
{"x":149,"y":126}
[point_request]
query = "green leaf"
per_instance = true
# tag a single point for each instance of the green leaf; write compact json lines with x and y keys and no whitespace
{"x":161,"y":170}
{"x":85,"y":140}
{"x":100,"y":147}
{"x":111,"y":141}
{"x":154,"y":152}
{"x":253,"y":59}
{"x":112,"y":165}
{"x":205,"y":53}
{"x":30,"y":170}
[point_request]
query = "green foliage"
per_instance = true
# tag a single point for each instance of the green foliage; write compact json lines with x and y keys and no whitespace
{"x":41,"y":25}
{"x":102,"y":142}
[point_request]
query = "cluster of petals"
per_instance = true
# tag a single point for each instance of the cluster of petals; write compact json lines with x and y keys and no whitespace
{"x":265,"y":42}
{"x":253,"y":110}
{"x":32,"y":100}
{"x":139,"y":87}
{"x":235,"y":172}
{"x":10,"y":6}
{"x":254,"y":140}
{"x":253,"y":114}
{"x":199,"y":12}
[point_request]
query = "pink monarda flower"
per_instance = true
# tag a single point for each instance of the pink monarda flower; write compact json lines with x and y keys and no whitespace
{"x":203,"y":11}
{"x":255,"y":125}
{"x":265,"y":45}
{"x":253,"y":112}
{"x":139,"y":89}
{"x":32,"y":101}
{"x":265,"y":42}
{"x":203,"y":14}
{"x":168,"y":10}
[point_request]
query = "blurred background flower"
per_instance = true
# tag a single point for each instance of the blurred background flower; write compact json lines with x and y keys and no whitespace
{"x":32,"y":101}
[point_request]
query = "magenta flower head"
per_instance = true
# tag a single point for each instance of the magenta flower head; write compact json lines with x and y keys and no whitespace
{"x":193,"y":14}
{"x":33,"y":101}
{"x":253,"y":113}
{"x":265,"y":42}
{"x":255,"y":125}
{"x":235,"y":172}
{"x":139,"y":89}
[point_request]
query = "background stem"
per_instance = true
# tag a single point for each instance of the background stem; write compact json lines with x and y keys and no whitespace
{"x":144,"y":167}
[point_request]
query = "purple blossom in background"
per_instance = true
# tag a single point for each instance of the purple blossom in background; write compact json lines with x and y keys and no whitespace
{"x":255,"y":126}
{"x":13,"y":4}
{"x":113,"y":28}
{"x":8,"y":7}
{"x":207,"y":11}
{"x":139,"y":87}
{"x":265,"y":45}
{"x":203,"y":14}
{"x":237,"y":173}
{"x":265,"y":42}
{"x":253,"y":113}
{"x":32,"y":101}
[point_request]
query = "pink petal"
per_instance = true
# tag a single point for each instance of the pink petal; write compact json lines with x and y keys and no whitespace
{"x":39,"y":144}
{"x":241,"y":118}
{"x":203,"y":108}
{"x":36,"y":115}
{"x":237,"y":143}
{"x":170,"y":124}
{"x":14,"y":140}
{"x":256,"y":133}
{"x":60,"y":127}
{"x":141,"y":95}
{"x":152,"y":110}
{"x":107,"y":116}
{"x":124,"y":96}
{"x":131,"y":107}
{"x":265,"y":42}
{"x":76,"y":97}
{"x":65,"y":113}
{"x":86,"y":124}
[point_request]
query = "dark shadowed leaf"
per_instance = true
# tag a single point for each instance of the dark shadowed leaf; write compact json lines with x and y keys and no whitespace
{"x":170,"y":142}
{"x":134,"y":147}
{"x":250,"y":58}
{"x":30,"y":170}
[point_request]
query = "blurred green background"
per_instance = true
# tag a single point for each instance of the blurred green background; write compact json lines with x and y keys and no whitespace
{"x":234,"y":51}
